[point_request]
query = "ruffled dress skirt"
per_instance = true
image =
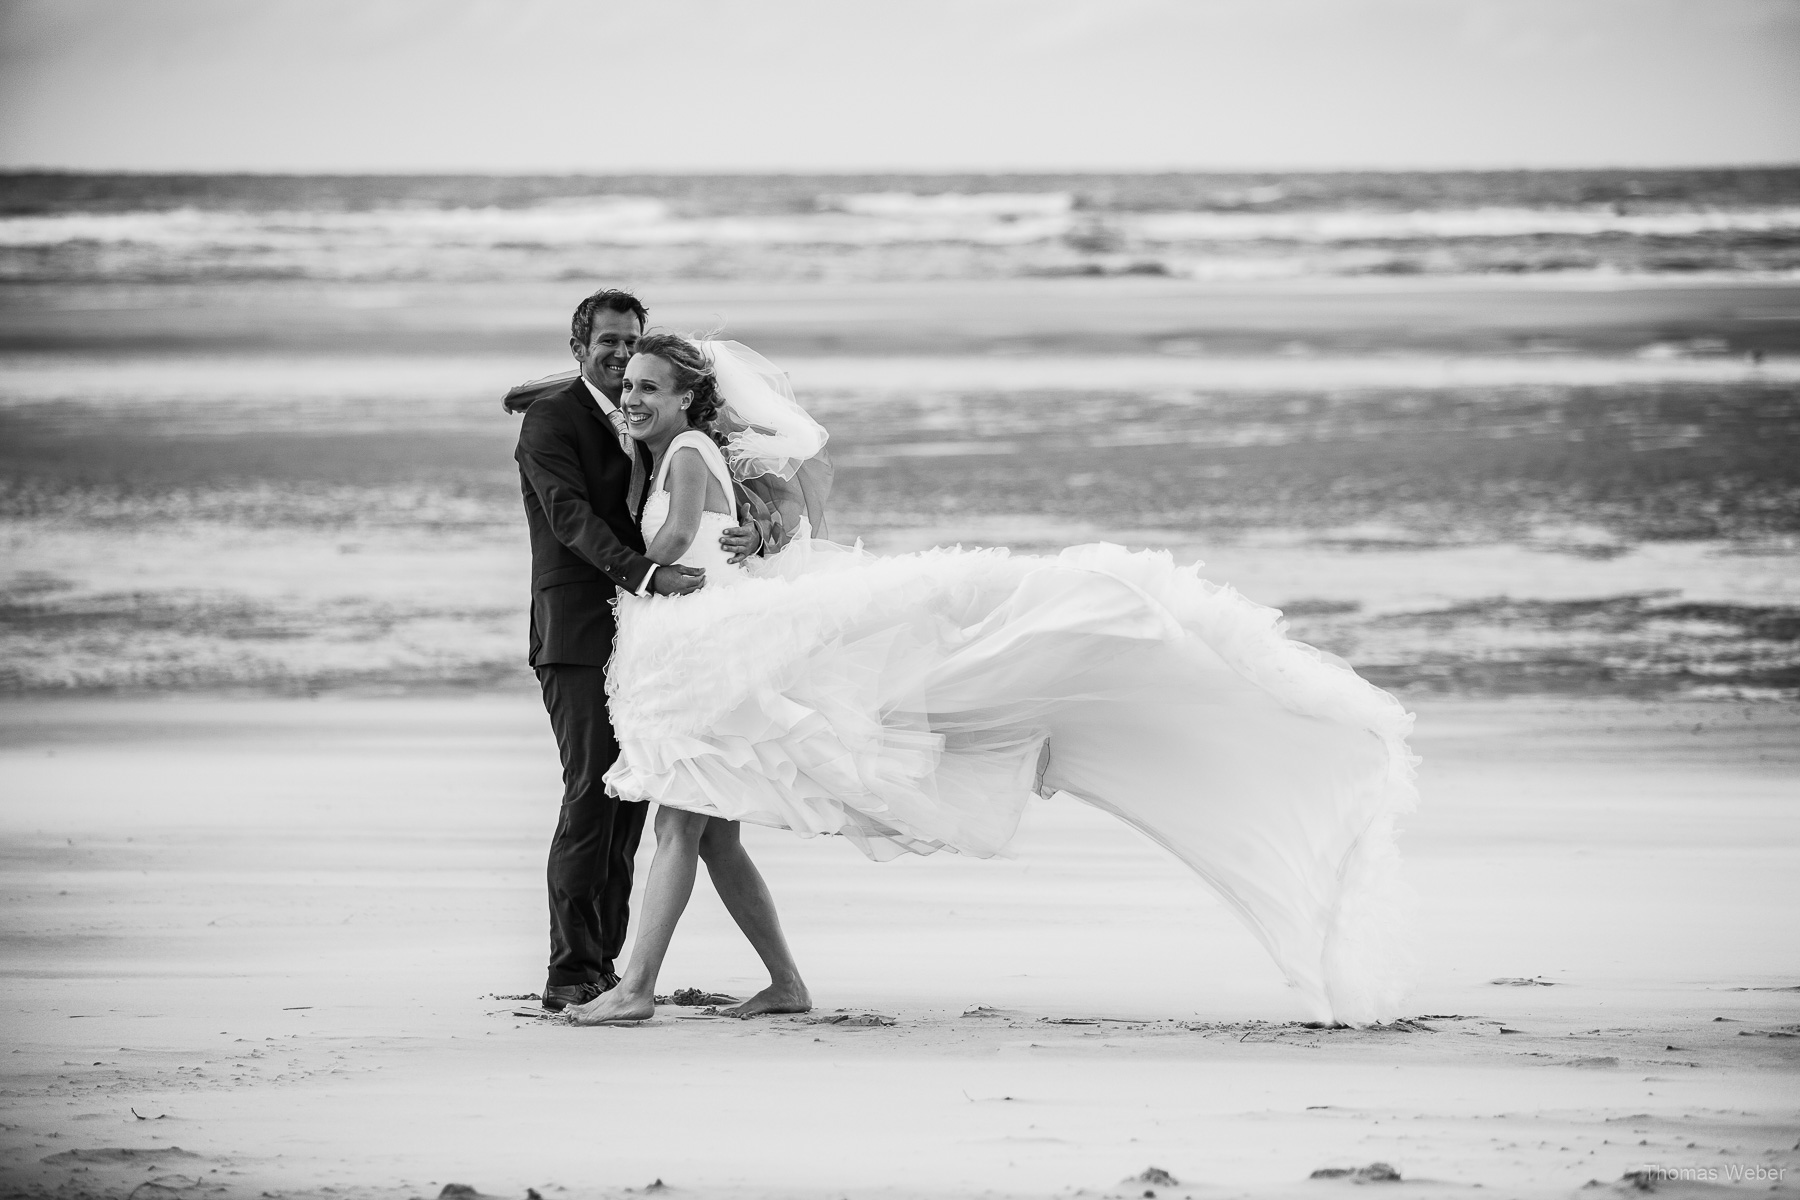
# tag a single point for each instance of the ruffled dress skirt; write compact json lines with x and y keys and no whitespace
{"x":914,"y":704}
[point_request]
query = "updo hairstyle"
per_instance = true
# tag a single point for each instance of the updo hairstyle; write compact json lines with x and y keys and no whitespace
{"x":693,"y":372}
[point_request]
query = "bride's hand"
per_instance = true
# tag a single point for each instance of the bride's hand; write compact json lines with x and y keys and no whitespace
{"x":676,"y":581}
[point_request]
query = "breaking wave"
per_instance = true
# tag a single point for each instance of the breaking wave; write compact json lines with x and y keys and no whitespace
{"x":774,"y":227}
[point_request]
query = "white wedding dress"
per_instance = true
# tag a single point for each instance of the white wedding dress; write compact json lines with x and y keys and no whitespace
{"x":914,"y":704}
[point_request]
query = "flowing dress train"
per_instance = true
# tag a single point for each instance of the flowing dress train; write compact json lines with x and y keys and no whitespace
{"x":914,"y":703}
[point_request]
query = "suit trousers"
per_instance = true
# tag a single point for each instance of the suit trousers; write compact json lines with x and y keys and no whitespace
{"x":596,"y":839}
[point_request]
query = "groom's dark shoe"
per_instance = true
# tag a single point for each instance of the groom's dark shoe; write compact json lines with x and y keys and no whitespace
{"x":558,"y":997}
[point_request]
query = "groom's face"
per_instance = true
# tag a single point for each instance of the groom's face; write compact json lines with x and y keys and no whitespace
{"x":610,"y":343}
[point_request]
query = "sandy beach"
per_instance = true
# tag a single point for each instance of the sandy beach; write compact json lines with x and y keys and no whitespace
{"x":299,"y":968}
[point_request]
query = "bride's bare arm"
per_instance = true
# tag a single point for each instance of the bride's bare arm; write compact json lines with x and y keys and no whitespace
{"x":687,"y":480}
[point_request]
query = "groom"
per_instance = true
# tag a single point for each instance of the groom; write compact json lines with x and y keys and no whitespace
{"x":584,"y":482}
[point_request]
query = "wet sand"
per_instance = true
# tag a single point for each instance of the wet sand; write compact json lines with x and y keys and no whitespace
{"x":279,"y":930}
{"x":1492,"y":314}
{"x":1516,"y":515}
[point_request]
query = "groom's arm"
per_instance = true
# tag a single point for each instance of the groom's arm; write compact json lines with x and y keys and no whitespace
{"x":552,"y":467}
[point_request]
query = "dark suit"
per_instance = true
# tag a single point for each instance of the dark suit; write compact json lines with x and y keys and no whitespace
{"x":585,"y":546}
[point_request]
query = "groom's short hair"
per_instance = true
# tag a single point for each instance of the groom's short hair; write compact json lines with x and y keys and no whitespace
{"x":581,"y":326}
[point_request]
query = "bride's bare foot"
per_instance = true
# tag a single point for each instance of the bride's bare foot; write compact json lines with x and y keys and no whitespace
{"x":776,"y":998}
{"x":612,"y":1007}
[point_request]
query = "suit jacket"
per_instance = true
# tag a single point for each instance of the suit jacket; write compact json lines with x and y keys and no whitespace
{"x":585,"y":544}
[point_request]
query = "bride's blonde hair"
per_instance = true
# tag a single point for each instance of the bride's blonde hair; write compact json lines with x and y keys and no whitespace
{"x":693,"y":372}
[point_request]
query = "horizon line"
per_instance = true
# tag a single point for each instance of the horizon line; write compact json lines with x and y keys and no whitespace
{"x":866,"y":171}
{"x":845,"y":172}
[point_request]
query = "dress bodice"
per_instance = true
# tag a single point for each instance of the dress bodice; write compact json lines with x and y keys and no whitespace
{"x":704,"y":552}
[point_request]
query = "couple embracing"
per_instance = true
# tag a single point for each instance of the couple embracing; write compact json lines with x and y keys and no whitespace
{"x":703,"y":649}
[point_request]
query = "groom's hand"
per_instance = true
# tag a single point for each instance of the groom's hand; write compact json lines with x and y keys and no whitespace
{"x":677,"y":581}
{"x":740,"y":541}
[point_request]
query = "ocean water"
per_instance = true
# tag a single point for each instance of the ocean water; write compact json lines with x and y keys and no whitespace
{"x":61,"y":228}
{"x":1494,"y":433}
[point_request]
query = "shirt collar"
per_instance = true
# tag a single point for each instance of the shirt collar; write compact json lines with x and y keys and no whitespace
{"x":606,"y":406}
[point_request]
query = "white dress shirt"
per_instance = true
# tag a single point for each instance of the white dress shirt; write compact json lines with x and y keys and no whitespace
{"x":608,"y":409}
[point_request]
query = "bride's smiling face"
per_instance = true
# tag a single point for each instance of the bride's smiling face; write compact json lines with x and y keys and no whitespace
{"x":655,"y":410}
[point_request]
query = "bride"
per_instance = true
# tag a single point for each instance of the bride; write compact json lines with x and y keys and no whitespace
{"x":914,"y":703}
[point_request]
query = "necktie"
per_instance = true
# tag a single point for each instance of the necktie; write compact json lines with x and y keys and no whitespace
{"x":617,"y":420}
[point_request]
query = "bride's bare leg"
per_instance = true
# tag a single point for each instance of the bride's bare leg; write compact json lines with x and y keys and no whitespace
{"x":666,"y":894}
{"x":740,"y":885}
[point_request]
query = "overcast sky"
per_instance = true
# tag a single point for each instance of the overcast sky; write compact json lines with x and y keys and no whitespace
{"x":581,"y":85}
